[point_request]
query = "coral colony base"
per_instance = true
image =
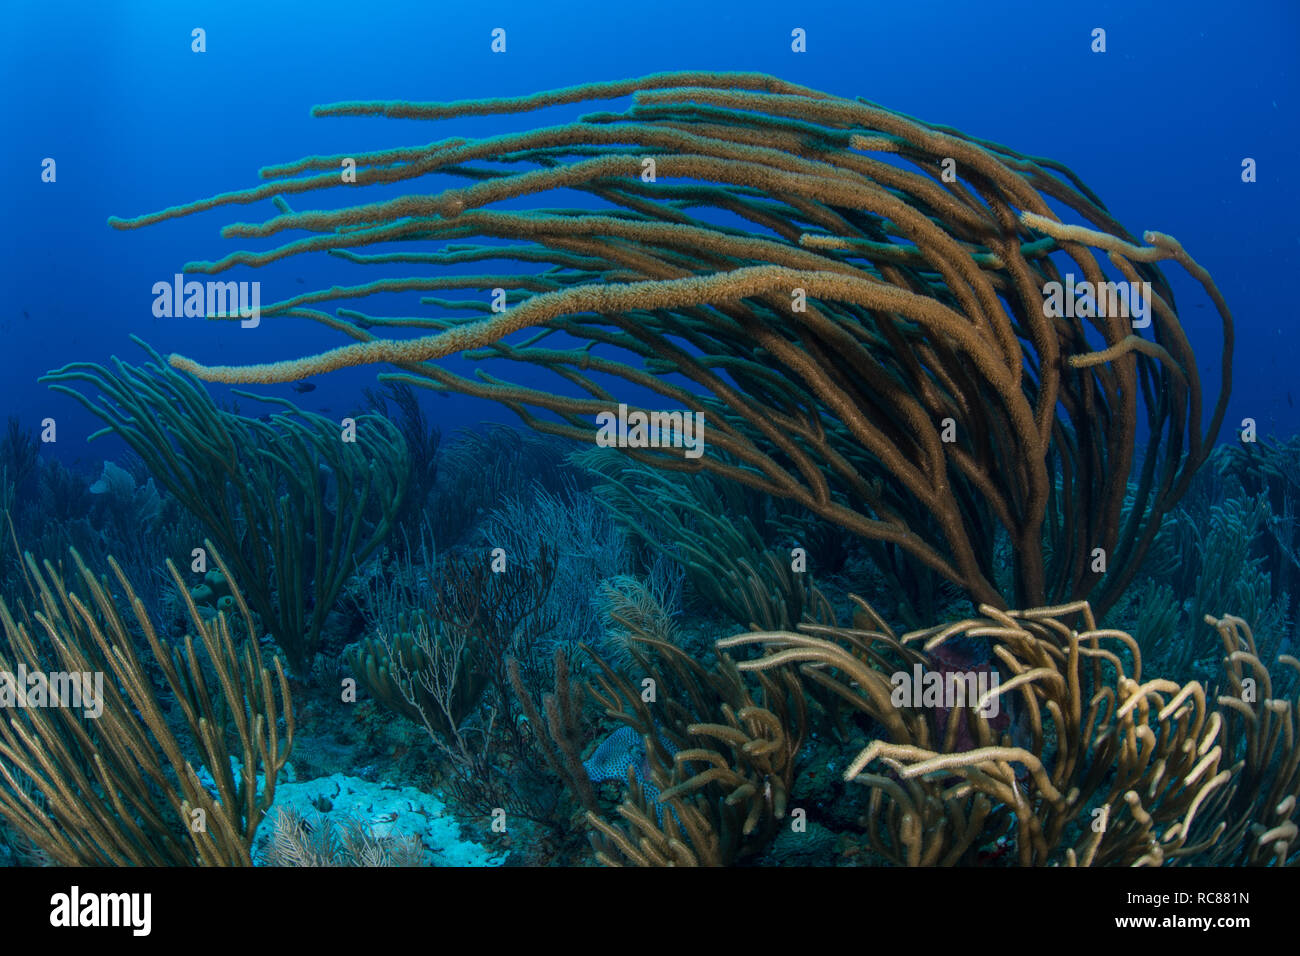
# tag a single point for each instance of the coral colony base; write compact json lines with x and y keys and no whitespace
{"x":940,"y":382}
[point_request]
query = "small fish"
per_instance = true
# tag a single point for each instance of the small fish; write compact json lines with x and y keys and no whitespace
{"x":26,"y":314}
{"x":303,"y":387}
{"x":1290,"y":404}
{"x":301,"y":280}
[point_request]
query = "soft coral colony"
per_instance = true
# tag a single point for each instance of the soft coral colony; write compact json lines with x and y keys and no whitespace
{"x":854,"y":301}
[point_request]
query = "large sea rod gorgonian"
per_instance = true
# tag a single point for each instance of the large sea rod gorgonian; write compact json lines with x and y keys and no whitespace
{"x":856,"y":300}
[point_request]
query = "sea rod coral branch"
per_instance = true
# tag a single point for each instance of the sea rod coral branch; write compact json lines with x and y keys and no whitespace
{"x":866,"y":337}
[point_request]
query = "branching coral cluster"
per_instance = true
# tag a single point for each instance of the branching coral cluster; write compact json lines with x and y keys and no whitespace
{"x":122,"y":789}
{"x":704,"y":525}
{"x":1094,"y":766}
{"x":1137,"y":758}
{"x":293,"y":504}
{"x":720,"y":754}
{"x":863,"y":300}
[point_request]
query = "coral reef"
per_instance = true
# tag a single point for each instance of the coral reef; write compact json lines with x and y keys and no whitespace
{"x":425,"y":672}
{"x":122,"y":789}
{"x":712,"y":529}
{"x":636,"y":655}
{"x":342,"y":821}
{"x":1098,"y":767}
{"x":293,"y":503}
{"x":883,"y":351}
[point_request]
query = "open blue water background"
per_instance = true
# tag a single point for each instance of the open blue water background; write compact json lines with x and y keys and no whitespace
{"x":1157,"y":126}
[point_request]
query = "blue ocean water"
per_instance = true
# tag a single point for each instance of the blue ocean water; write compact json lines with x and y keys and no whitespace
{"x":1158,"y":126}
